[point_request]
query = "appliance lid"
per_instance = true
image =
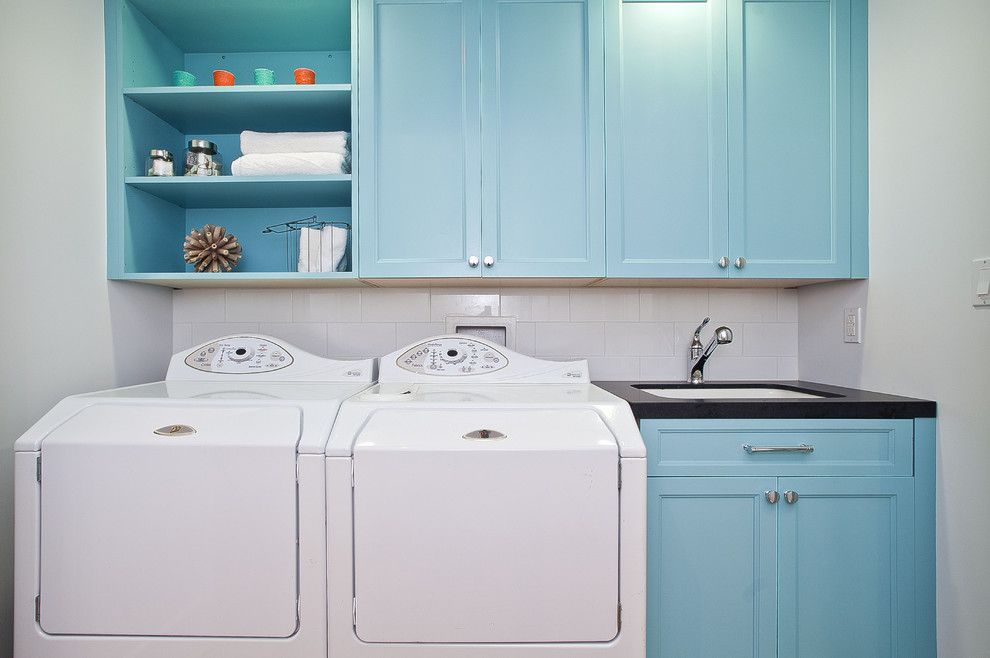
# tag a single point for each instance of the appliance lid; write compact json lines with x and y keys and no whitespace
{"x":485,"y":429}
{"x":214,"y":425}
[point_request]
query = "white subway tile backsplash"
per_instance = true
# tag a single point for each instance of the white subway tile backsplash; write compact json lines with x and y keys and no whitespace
{"x":735,"y":368}
{"x":181,"y":336}
{"x":196,"y":305}
{"x":673,"y":304}
{"x":727,"y":305}
{"x":360,"y":339}
{"x":787,"y":367}
{"x":331,"y":305}
{"x":663,"y":368}
{"x":536,"y":304}
{"x":410,"y":332}
{"x":570,"y":338}
{"x":613,"y":367}
{"x":787,"y":305}
{"x":639,"y":339}
{"x":771,"y":339}
{"x":526,"y":338}
{"x":206,"y":331}
{"x":456,"y":301}
{"x":625,"y":333}
{"x":412,"y":305}
{"x":309,"y":336}
{"x":601,"y":304}
{"x":259,"y":305}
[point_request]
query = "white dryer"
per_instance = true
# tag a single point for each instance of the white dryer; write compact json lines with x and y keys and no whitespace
{"x":485,"y":504}
{"x":183,"y":518}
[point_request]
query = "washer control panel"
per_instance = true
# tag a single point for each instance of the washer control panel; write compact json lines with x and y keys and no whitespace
{"x":239,"y":355}
{"x":452,"y":357}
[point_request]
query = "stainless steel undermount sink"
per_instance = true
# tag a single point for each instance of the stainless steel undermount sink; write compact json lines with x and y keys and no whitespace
{"x":730,"y":392}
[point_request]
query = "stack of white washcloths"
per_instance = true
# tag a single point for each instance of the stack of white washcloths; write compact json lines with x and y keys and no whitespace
{"x":284,"y":154}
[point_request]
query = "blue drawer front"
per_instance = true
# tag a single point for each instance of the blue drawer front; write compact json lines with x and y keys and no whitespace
{"x":688,"y":447}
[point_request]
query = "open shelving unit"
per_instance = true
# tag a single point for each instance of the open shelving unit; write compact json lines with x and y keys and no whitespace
{"x":149,"y":216}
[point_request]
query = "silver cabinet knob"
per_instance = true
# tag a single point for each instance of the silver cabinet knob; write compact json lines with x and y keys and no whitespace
{"x":723,"y":262}
{"x":772,"y":497}
{"x":790,"y":497}
{"x":740,"y":263}
{"x":473,"y":261}
{"x":489,"y":261}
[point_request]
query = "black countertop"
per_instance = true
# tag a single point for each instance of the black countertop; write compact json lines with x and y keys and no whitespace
{"x":839,"y":403}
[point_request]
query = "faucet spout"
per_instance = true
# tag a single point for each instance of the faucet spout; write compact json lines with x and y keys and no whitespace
{"x":723,"y":336}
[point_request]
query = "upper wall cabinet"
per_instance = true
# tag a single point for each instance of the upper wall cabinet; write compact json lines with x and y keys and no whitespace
{"x":481,"y":149}
{"x":736,"y":138}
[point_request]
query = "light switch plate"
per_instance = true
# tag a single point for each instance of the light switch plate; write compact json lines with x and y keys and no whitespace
{"x":981,"y":282}
{"x":852,"y":325}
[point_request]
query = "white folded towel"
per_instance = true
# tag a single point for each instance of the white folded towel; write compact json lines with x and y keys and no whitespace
{"x":321,"y":250}
{"x":283,"y":164}
{"x":311,"y":142}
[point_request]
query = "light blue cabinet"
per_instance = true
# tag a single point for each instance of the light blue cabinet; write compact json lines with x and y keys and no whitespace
{"x":418,"y":145}
{"x":666,"y":138}
{"x":838,"y":559}
{"x":711,"y":570}
{"x":481,"y":135}
{"x":736,"y":138}
{"x":846,"y":568}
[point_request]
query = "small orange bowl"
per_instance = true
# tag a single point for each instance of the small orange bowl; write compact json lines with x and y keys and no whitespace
{"x":223,"y":78}
{"x":305,"y":76}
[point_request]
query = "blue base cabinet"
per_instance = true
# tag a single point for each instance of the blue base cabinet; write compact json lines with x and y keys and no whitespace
{"x":736,"y":138}
{"x":790,"y":538}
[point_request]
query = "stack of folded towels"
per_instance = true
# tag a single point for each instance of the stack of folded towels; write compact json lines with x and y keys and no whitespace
{"x":283,"y":154}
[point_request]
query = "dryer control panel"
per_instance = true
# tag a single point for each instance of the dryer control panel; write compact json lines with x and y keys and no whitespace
{"x":239,"y":355}
{"x":452,"y":357}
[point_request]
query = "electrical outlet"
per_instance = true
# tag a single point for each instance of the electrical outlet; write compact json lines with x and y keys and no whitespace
{"x":852,"y":325}
{"x":981,"y":282}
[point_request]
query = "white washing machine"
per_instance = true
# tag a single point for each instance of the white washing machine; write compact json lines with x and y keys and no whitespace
{"x":485,"y":504}
{"x":184,"y":518}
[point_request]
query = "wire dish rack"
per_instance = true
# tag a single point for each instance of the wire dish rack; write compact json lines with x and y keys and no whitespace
{"x":314,"y":245}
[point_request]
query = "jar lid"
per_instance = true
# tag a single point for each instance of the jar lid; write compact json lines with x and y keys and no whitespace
{"x":161,"y":153}
{"x":204,"y":144}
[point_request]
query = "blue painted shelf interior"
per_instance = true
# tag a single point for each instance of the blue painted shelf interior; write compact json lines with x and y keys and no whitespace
{"x":146,"y":41}
{"x":230,"y":109}
{"x":247,"y":191}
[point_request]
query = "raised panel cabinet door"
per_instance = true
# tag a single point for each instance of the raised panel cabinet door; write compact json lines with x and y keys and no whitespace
{"x":418,"y":157}
{"x":666,"y":185}
{"x":711,"y":580}
{"x":790,"y":150}
{"x":543,"y":138}
{"x":846,"y":568}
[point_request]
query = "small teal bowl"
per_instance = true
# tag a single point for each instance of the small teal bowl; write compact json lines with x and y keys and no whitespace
{"x":183,"y":79}
{"x":264,"y":77}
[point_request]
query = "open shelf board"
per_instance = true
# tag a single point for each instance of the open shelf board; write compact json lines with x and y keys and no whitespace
{"x":247,"y":191}
{"x":244,"y":279}
{"x":233,"y":109}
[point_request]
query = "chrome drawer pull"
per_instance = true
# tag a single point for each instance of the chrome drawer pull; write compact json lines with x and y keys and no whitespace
{"x":757,"y":449}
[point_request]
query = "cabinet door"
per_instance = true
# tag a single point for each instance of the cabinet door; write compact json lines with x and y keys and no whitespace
{"x":543,"y":139}
{"x":666,"y":138}
{"x":418,"y":149}
{"x":789,"y":137}
{"x":711,"y":581}
{"x":846,"y":568}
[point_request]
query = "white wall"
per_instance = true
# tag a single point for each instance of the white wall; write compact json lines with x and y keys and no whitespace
{"x":930,"y":216}
{"x":63,"y":328}
{"x":625,"y":333}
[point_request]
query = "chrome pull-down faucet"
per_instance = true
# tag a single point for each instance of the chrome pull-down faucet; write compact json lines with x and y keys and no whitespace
{"x":700,"y":354}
